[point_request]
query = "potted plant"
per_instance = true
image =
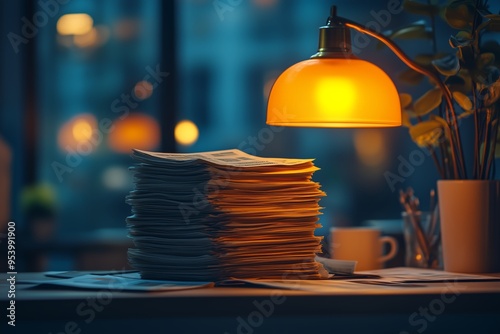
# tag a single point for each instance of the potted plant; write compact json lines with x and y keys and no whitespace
{"x":457,"y":120}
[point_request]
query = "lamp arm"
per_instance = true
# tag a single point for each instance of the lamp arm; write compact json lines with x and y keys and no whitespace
{"x":404,"y":58}
{"x":422,"y":70}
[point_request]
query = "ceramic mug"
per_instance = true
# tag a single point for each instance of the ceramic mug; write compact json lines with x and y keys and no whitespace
{"x":364,"y":245}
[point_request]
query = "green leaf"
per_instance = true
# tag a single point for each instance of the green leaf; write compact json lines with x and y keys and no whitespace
{"x":493,"y":23}
{"x":484,"y":60}
{"x":461,"y":39}
{"x":441,"y":121}
{"x":426,"y":58}
{"x":466,"y":76}
{"x":463,"y":101}
{"x":466,"y":114}
{"x":415,"y":7}
{"x":426,"y":133}
{"x":413,"y":32}
{"x":487,"y":76}
{"x":493,"y":47}
{"x":405,"y":119}
{"x":428,"y":102}
{"x":448,"y":65}
{"x":410,"y":76}
{"x":405,"y":100}
{"x":491,"y":95}
{"x":460,"y":14}
{"x":459,"y":83}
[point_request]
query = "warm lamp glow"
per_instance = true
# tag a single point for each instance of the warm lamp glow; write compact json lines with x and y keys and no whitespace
{"x":371,"y":147}
{"x":74,"y":24}
{"x":338,"y":89}
{"x":334,"y":92}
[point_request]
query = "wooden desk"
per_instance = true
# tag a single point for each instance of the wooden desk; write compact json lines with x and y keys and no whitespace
{"x":434,"y":308}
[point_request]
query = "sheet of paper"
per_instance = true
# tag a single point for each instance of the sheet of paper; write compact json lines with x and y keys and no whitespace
{"x":125,"y":282}
{"x":418,"y":275}
{"x":232,"y":157}
{"x":337,"y":266}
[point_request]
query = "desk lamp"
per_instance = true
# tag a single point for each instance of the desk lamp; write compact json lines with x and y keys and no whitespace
{"x":336,"y":89}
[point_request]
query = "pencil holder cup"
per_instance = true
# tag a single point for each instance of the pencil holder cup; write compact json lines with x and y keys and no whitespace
{"x":422,"y":240}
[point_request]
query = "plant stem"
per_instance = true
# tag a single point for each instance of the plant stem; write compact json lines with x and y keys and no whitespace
{"x":491,"y":156}
{"x":446,"y":159}
{"x":451,"y":119}
{"x":485,"y":146}
{"x":477,"y":129}
{"x":436,"y":161}
{"x":476,"y":134}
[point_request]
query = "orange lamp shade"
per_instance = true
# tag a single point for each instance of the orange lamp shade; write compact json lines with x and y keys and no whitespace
{"x":334,"y":92}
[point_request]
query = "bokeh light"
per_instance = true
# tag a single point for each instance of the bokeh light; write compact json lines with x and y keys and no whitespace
{"x":143,"y":90}
{"x":74,"y":24}
{"x":186,"y":133}
{"x":126,"y":29}
{"x":89,"y":39}
{"x":265,"y":3}
{"x":116,"y":178}
{"x":134,"y":131}
{"x":79,"y":131}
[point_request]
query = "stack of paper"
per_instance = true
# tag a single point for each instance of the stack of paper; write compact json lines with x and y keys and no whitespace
{"x":224,"y":214}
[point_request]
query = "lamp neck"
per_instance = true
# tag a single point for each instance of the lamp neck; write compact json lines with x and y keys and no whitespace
{"x":334,"y":38}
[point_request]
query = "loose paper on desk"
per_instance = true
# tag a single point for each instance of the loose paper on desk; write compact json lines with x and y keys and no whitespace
{"x":129,"y":282}
{"x":422,"y":275}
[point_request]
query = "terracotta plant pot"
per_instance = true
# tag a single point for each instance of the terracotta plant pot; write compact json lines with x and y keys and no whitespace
{"x":470,"y":225}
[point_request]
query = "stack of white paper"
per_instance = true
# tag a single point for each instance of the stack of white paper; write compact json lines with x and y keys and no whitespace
{"x":224,"y":214}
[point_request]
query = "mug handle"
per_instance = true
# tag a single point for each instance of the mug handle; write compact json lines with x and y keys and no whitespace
{"x":392,"y":252}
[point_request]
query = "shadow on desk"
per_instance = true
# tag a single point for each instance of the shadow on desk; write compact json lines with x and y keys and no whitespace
{"x":258,"y":323}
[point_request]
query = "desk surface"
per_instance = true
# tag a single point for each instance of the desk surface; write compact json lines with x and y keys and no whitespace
{"x":346,"y":306}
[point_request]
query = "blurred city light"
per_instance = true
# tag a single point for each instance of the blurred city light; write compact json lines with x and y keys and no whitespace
{"x":74,"y":24}
{"x":186,"y":133}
